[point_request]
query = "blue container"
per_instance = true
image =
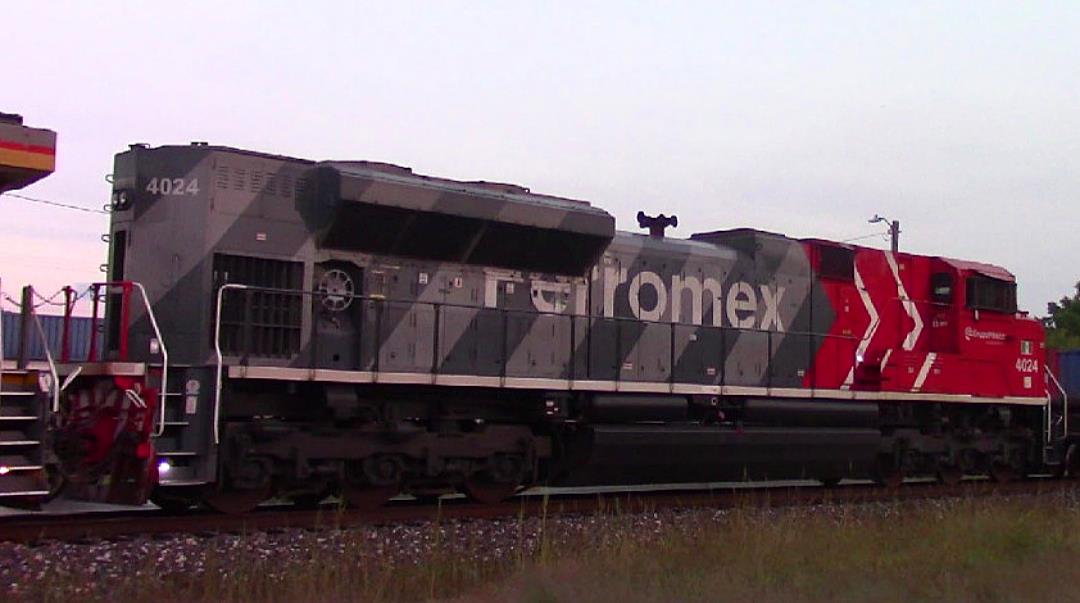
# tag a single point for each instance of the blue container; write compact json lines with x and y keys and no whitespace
{"x":79,"y":332}
{"x":1069,"y":372}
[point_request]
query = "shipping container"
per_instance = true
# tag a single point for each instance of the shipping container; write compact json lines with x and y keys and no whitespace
{"x":1069,"y":372}
{"x":80,"y":329}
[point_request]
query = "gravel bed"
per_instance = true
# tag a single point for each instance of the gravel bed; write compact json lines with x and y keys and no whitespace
{"x":92,"y":569}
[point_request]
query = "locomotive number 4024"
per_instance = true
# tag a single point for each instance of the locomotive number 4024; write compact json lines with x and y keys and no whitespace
{"x":1027,"y":365}
{"x":173,"y":186}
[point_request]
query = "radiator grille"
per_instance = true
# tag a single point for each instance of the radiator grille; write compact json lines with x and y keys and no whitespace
{"x":259,"y":323}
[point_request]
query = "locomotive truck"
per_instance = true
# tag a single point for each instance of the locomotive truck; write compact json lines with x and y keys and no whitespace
{"x":282,"y":327}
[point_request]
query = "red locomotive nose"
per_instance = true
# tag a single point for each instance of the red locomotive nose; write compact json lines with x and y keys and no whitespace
{"x":98,"y":440}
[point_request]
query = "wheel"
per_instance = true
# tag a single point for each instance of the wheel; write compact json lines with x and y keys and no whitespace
{"x":950,"y":475}
{"x":56,"y":482}
{"x":363,"y":497}
{"x":172,"y":504}
{"x":487,"y":492}
{"x":368,"y":484}
{"x":892,"y":480}
{"x":1070,"y":467}
{"x":888,"y":474}
{"x":308,"y":501}
{"x":176,"y":499}
{"x":236,"y":502}
{"x":430,"y":496}
{"x":1002,"y":472}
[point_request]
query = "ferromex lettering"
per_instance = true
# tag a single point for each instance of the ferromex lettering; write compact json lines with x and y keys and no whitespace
{"x":649,"y":296}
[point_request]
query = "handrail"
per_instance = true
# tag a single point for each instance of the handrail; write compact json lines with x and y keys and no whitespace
{"x":164,"y":357}
{"x":413,"y":302}
{"x":218,"y":355}
{"x":54,"y":384}
{"x":1064,"y":404}
{"x":164,"y":350}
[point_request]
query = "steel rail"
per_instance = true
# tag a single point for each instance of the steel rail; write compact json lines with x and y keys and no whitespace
{"x":90,"y":527}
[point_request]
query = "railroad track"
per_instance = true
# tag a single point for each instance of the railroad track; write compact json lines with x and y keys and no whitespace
{"x":91,"y":527}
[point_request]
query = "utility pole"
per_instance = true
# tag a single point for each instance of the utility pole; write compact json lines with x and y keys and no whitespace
{"x":894,"y":230}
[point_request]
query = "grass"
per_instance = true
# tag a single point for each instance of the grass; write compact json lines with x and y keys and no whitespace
{"x":976,"y":550}
{"x":998,"y":552}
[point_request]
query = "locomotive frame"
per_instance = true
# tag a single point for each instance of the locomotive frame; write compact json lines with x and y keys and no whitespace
{"x":354,"y":328}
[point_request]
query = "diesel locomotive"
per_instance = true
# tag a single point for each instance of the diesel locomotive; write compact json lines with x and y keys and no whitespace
{"x":282,"y":327}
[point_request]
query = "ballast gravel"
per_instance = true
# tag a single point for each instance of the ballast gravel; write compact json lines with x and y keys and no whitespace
{"x":93,"y":569}
{"x":90,"y":568}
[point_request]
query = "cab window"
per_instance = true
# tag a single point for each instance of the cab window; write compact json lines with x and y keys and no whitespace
{"x":985,"y":293}
{"x":941,"y":288}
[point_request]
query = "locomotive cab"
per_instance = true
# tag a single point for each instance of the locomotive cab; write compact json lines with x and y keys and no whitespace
{"x":976,"y":331}
{"x":944,"y":309}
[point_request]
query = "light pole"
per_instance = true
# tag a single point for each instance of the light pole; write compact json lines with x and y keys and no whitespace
{"x":894,"y":230}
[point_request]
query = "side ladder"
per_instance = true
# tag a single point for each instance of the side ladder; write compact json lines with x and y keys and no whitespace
{"x":28,"y":397}
{"x":1056,"y":422}
{"x":183,"y":432}
{"x":24,"y":403}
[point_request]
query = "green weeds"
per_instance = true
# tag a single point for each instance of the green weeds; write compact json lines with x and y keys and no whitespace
{"x":977,"y":550}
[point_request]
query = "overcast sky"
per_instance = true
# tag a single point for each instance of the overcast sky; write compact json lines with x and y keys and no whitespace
{"x":962,"y":120}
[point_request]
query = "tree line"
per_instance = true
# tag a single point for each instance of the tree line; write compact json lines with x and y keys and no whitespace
{"x":1062,"y":322}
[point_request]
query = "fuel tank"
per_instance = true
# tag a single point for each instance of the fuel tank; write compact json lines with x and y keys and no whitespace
{"x":679,"y":453}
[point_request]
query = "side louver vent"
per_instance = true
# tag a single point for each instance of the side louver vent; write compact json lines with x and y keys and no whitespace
{"x":259,"y":323}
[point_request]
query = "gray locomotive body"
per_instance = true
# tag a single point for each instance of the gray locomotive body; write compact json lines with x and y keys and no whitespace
{"x":641,"y":309}
{"x":353,"y":326}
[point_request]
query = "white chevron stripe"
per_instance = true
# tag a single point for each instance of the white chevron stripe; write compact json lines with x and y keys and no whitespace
{"x":871,"y":328}
{"x":909,"y":306}
{"x":923,"y":372}
{"x":885,"y":359}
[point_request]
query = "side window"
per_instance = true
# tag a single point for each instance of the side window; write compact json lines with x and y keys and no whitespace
{"x":941,"y":288}
{"x":837,"y":262}
{"x":985,"y":293}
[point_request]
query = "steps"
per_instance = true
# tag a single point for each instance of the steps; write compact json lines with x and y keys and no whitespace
{"x":23,"y":416}
{"x":183,"y":450}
